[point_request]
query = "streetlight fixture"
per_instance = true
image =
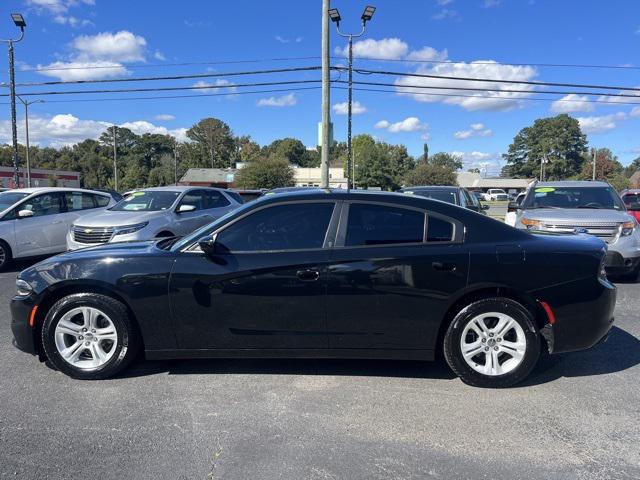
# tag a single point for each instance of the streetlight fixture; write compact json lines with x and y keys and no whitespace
{"x":26,"y":104}
{"x":18,"y":20}
{"x":367,"y":15}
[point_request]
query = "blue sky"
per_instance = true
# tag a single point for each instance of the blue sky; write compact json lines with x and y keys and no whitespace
{"x":479,"y":38}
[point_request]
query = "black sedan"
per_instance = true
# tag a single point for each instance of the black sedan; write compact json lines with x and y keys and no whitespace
{"x":323,"y":274}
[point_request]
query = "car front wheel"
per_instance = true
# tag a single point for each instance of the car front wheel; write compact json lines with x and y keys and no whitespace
{"x":89,"y":336}
{"x":492,"y":343}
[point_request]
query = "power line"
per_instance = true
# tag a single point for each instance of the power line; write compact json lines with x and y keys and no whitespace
{"x":498,"y":90}
{"x":506,"y":64}
{"x":172,"y":77}
{"x":166,"y":89}
{"x":490,"y":80}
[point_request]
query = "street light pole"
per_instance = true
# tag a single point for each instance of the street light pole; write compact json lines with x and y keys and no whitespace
{"x":18,"y":20}
{"x":335,"y":18}
{"x":26,"y":104}
{"x":326,"y":93}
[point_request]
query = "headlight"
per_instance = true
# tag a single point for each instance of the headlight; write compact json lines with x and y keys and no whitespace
{"x":627,"y":228}
{"x":529,"y":223}
{"x":23,"y":289}
{"x":130,"y":228}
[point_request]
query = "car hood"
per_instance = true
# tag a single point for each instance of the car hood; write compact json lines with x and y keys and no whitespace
{"x":109,"y":218}
{"x":573,"y":215}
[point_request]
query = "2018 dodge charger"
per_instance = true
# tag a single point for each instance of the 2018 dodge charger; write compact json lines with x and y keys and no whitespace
{"x":323,"y":274}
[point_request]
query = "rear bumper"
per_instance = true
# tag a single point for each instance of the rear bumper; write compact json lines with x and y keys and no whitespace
{"x":23,"y":334}
{"x":580,"y":322}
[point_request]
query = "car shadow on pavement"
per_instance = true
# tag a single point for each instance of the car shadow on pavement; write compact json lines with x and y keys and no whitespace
{"x":620,"y":352}
{"x":294,"y":366}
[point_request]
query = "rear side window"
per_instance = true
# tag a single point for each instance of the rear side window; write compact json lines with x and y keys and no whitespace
{"x":213,"y":199}
{"x":79,"y":201}
{"x":282,"y":227}
{"x":101,"y":200}
{"x":371,"y":224}
{"x":439,"y":230}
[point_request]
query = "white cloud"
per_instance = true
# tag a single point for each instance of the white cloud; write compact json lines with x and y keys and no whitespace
{"x":386,"y":48}
{"x":122,"y":46}
{"x":572,"y":103}
{"x":283,"y":101}
{"x":611,"y":99}
{"x":444,"y":2}
{"x":428,"y":54}
{"x":491,"y":3}
{"x":71,"y":21}
{"x":158,"y":55}
{"x":445,"y":13}
{"x":57,"y":6}
{"x":98,"y":56}
{"x":475,"y":130}
{"x":67,"y":129}
{"x":409,"y":124}
{"x":495,"y":100}
{"x":68,"y":71}
{"x":288,"y":40}
{"x":165,"y":117}
{"x":342,"y":108}
{"x":635,"y":112}
{"x":602,"y":123}
{"x":489,"y":162}
{"x":219,"y":86}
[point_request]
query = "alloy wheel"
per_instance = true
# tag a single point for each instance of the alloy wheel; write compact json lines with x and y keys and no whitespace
{"x":86,"y":338}
{"x":493,"y":343}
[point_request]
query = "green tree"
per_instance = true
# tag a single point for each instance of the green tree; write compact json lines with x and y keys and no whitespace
{"x":558,"y":138}
{"x":215,"y":141}
{"x":430,"y":174}
{"x":447,"y":160}
{"x":266,"y":173}
{"x":290,"y":149}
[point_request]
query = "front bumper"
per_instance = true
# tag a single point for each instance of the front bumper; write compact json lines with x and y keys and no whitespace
{"x":140,"y":235}
{"x":23,"y":334}
{"x":580,"y":324}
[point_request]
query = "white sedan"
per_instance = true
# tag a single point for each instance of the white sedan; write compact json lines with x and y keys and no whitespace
{"x":35,"y":221}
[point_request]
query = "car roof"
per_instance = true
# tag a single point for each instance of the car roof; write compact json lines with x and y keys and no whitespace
{"x":431,"y":187}
{"x":32,"y":190}
{"x":573,"y":183}
{"x":176,"y":188}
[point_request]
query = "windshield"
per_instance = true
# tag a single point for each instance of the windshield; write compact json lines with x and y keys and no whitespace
{"x":146,"y":201}
{"x":573,"y":197}
{"x":442,"y":195}
{"x":210,"y":227}
{"x":8,"y":199}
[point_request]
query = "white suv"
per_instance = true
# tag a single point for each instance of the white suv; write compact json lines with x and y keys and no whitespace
{"x":35,"y":221}
{"x":495,"y":194}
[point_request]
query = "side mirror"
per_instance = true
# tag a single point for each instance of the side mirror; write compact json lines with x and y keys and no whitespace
{"x":485,"y":207}
{"x":25,"y":213}
{"x":208,"y":245}
{"x":512,"y":207}
{"x":185,"y":208}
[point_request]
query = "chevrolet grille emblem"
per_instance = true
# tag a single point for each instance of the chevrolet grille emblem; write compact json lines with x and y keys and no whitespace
{"x":87,"y":230}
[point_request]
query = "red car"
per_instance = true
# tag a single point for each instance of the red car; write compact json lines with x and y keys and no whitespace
{"x":631,"y":199}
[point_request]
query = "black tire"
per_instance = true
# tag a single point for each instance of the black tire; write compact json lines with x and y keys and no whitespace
{"x":5,"y":255}
{"x":126,"y":347}
{"x":453,"y":349}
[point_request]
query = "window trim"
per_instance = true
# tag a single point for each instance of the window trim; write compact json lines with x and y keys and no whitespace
{"x":327,"y":244}
{"x":456,"y":238}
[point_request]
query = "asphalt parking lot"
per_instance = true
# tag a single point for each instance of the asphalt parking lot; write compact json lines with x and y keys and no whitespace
{"x":577,"y":417}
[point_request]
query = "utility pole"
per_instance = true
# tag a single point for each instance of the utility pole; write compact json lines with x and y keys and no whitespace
{"x":335,"y":18}
{"x":18,"y":20}
{"x":595,"y":156}
{"x":326,"y":120}
{"x":26,"y":104}
{"x":115,"y":161}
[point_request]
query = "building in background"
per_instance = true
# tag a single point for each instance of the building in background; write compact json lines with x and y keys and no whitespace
{"x":311,"y":177}
{"x":40,"y":178}
{"x":475,"y":182}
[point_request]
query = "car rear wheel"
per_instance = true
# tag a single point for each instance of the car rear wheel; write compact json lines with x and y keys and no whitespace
{"x":492,"y":343}
{"x":89,"y":336}
{"x":5,"y":255}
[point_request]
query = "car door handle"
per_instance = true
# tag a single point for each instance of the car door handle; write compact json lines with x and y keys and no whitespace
{"x":444,"y":266}
{"x":308,"y":275}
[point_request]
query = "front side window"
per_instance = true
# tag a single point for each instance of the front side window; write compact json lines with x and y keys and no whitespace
{"x":282,"y":227}
{"x":146,"y":201}
{"x":194,"y":198}
{"x":371,"y":224}
{"x":8,"y":199}
{"x":45,"y":204}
